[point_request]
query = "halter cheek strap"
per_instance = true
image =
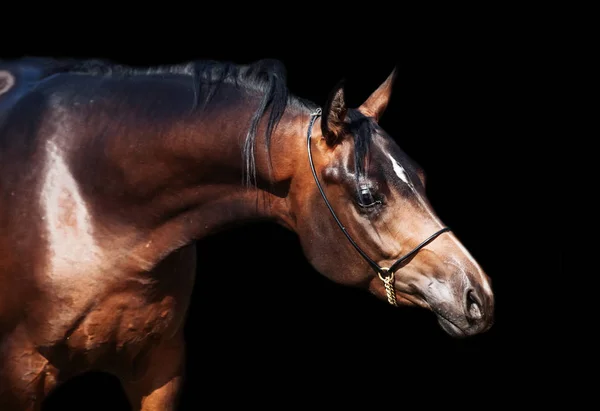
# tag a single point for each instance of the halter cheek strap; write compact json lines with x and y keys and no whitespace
{"x":385,"y":274}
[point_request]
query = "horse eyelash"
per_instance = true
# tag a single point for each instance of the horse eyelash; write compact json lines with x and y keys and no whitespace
{"x":373,"y":204}
{"x":371,"y":190}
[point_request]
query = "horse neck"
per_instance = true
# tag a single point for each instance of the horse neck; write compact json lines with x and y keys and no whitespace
{"x":194,"y":185}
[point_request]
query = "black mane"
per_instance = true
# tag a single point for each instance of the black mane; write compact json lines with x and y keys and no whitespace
{"x":266,"y":77}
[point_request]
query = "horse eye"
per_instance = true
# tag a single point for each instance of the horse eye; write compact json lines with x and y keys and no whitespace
{"x":366,"y":199}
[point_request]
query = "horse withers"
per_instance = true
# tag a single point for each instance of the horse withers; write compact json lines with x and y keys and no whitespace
{"x":109,"y":174}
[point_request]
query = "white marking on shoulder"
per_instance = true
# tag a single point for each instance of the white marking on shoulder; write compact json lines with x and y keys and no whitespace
{"x":69,"y":228}
{"x":74,"y":259}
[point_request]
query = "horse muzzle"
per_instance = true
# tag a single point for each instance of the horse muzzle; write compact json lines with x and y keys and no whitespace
{"x":463,"y":311}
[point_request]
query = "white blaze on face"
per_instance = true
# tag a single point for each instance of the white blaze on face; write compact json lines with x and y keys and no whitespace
{"x":399,"y":170}
{"x":403,"y":175}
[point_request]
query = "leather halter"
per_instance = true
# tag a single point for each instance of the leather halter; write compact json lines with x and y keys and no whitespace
{"x":385,"y":274}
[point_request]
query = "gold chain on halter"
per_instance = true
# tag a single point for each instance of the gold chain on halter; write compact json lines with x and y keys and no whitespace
{"x":388,"y":282}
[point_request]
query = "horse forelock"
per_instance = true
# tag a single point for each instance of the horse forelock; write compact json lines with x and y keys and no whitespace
{"x":362,"y":129}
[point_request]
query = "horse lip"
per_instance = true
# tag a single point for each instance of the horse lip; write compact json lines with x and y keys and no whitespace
{"x":450,"y":327}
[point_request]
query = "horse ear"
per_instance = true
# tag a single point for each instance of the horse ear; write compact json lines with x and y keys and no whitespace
{"x":377,"y":102}
{"x":334,"y":113}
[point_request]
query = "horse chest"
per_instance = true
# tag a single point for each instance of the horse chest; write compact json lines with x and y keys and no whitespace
{"x":125,"y":324}
{"x":107,"y":318}
{"x":93,"y":302}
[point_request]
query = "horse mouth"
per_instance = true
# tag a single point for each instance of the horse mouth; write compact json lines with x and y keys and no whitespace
{"x":450,"y":327}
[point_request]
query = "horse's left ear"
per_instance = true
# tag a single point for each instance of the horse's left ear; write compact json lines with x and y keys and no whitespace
{"x":377,"y":102}
{"x":334,"y":113}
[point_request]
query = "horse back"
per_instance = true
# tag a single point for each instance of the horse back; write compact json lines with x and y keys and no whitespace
{"x":18,"y":77}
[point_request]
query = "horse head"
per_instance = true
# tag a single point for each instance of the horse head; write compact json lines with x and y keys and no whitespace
{"x":395,"y":245}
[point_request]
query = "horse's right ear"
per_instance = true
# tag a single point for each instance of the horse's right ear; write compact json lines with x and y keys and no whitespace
{"x":7,"y":80}
{"x":378,"y":101}
{"x":334,"y":113}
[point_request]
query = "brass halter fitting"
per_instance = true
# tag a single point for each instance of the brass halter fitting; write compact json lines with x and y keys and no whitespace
{"x":388,"y":283}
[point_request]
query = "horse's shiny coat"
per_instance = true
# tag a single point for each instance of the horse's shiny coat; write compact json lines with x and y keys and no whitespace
{"x":108,"y":176}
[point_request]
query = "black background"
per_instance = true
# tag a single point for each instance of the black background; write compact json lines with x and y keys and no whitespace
{"x":285,"y":336}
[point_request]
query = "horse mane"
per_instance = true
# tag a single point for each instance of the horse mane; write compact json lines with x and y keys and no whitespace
{"x":266,"y":77}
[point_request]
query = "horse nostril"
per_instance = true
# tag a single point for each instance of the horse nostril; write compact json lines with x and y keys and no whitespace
{"x":473,"y":305}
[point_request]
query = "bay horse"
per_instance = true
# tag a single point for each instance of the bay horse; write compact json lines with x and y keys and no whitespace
{"x":109,"y":174}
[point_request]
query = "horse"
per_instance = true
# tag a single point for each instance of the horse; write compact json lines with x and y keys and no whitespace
{"x":111,"y":173}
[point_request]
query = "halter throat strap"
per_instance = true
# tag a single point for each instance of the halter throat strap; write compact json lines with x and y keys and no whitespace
{"x":385,"y":274}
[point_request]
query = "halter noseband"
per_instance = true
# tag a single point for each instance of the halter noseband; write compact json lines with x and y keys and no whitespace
{"x":385,"y":274}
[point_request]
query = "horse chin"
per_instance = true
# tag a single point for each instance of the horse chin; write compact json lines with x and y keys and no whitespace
{"x":450,"y":328}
